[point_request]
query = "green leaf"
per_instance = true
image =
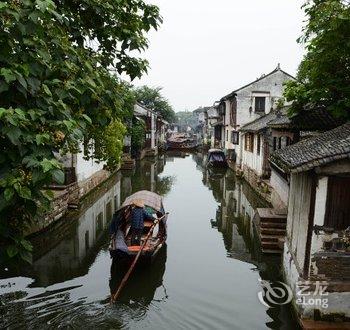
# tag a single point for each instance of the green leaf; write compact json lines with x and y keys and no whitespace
{"x":3,"y":86}
{"x":58,"y":176}
{"x":13,"y":134}
{"x":22,"y":81}
{"x":8,"y":194}
{"x":25,"y":192}
{"x":27,"y":245}
{"x":30,"y":161}
{"x":8,"y":75}
{"x":48,"y":164}
{"x":37,"y":175}
{"x":49,"y":194}
{"x":87,"y":118}
{"x":26,"y":256}
{"x":47,"y":90}
{"x":42,"y":138}
{"x":12,"y":250}
{"x":2,"y":112}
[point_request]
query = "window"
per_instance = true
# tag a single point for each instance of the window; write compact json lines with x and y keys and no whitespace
{"x":87,"y":241}
{"x":337,"y":206}
{"x":280,"y":143}
{"x":274,"y":143}
{"x":260,"y":104}
{"x":233,"y":113}
{"x":288,"y":141}
{"x":99,"y":223}
{"x":258,"y":142}
{"x":109,"y":211}
{"x":227,"y":135}
{"x":249,"y":142}
{"x":235,"y":137}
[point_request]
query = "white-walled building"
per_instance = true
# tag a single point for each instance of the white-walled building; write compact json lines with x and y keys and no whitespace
{"x":150,"y":118}
{"x":316,"y":248}
{"x":247,"y":104}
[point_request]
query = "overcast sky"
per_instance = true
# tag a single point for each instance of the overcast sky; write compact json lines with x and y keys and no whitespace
{"x":206,"y":49}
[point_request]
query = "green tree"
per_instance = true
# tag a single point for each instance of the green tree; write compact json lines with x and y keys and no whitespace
{"x":56,"y":90}
{"x":152,"y":99}
{"x":323,"y":77}
{"x":137,"y":133}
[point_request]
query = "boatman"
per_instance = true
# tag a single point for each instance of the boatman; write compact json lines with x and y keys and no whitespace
{"x":138,"y":217}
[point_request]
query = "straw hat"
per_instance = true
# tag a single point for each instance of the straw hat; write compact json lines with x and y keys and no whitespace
{"x":139,"y":203}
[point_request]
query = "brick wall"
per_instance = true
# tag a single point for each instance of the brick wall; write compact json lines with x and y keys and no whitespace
{"x":331,"y":266}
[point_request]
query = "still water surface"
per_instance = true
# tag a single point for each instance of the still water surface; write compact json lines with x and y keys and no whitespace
{"x":207,"y":277}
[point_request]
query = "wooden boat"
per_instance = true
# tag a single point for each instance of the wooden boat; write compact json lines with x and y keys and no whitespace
{"x":216,"y":158}
{"x":120,"y":246}
{"x":181,"y":141}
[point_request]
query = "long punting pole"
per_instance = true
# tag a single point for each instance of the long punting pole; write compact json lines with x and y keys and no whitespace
{"x":126,"y":276}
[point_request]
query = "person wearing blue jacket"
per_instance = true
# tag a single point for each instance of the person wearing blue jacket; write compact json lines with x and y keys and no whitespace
{"x":138,"y":217}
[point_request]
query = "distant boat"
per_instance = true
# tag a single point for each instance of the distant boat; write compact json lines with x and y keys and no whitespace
{"x":120,"y":245}
{"x":182,"y":141}
{"x":216,"y":158}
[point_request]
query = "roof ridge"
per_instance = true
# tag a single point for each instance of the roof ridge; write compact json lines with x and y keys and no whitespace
{"x":258,"y":79}
{"x":318,"y":150}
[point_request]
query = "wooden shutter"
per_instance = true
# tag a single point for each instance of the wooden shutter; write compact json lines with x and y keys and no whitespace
{"x":338,"y":203}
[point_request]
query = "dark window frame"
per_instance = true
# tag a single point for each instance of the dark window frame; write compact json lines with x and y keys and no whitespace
{"x":249,"y":142}
{"x":235,"y":137}
{"x":260,"y":103}
{"x":274,"y":143}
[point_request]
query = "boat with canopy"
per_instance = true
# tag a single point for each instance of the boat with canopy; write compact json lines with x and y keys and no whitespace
{"x":216,"y":158}
{"x":154,"y":232}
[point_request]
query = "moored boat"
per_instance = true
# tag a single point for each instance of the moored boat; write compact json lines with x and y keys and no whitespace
{"x":216,"y":158}
{"x":182,"y":141}
{"x":153,"y":235}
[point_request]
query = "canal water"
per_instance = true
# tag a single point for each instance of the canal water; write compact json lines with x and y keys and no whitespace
{"x":206,"y":277}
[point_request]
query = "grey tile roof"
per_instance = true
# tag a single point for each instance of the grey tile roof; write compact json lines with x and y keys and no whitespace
{"x":259,"y":124}
{"x":310,"y":119}
{"x":316,"y":151}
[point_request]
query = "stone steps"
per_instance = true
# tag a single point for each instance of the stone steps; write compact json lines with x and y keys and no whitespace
{"x":273,"y":225}
{"x":273,"y":231}
{"x":271,"y":228}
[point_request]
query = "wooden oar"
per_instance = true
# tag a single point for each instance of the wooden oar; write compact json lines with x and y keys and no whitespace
{"x":126,"y":276}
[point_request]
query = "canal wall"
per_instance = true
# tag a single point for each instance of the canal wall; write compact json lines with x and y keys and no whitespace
{"x":262,"y":187}
{"x":69,"y":198}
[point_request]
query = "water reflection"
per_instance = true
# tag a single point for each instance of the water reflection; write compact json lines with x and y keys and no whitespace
{"x":68,"y":248}
{"x":146,"y":176}
{"x":143,"y":282}
{"x":206,"y":277}
{"x":234,"y":219}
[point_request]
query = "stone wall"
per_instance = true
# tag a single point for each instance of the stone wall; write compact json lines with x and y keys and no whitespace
{"x":330,"y":266}
{"x":262,"y":187}
{"x":68,"y":198}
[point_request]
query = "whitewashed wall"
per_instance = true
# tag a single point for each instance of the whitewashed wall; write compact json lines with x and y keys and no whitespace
{"x":88,"y":223}
{"x":320,"y":211}
{"x":271,"y":87}
{"x":279,"y":197}
{"x":252,"y":159}
{"x":86,"y":168}
{"x":273,"y":84}
{"x":298,"y":215}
